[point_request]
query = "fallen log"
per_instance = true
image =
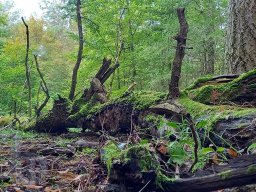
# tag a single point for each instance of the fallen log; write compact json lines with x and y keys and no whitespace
{"x":213,"y":81}
{"x":240,"y":91}
{"x":239,"y":172}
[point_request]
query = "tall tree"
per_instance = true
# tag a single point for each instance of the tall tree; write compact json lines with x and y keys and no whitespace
{"x":181,"y":39}
{"x":28,"y":76}
{"x":241,"y":36}
{"x":80,"y":51}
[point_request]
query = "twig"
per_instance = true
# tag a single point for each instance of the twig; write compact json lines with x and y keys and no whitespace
{"x":194,"y":134}
{"x":145,"y":186}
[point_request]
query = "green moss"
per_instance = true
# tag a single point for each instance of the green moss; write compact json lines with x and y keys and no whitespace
{"x":5,"y":120}
{"x":245,"y":76}
{"x":139,"y":154}
{"x":142,"y":99}
{"x":139,"y":101}
{"x":209,"y":94}
{"x":199,"y":82}
{"x":225,"y":175}
{"x":155,"y":119}
{"x":214,"y":113}
{"x":251,"y":169}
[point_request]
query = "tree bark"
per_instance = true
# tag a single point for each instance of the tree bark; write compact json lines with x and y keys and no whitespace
{"x":44,"y":87}
{"x":210,"y":61}
{"x":241,"y":36}
{"x":80,"y":51}
{"x":181,"y":39}
{"x":27,"y":71}
{"x":239,"y":172}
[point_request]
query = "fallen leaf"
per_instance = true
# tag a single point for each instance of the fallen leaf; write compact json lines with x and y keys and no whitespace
{"x":214,"y":158}
{"x":232,"y":153}
{"x":162,"y":148}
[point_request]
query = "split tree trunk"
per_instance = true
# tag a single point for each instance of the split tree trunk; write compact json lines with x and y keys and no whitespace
{"x":80,"y":51}
{"x":28,"y":71}
{"x":241,"y":36}
{"x":181,"y":39}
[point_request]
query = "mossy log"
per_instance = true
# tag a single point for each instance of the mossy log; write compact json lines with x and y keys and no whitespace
{"x":119,"y":114}
{"x":240,"y":91}
{"x":240,"y":171}
{"x":139,"y":167}
{"x":225,"y":125}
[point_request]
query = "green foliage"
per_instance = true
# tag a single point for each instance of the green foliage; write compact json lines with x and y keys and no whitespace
{"x":140,"y":29}
{"x":108,"y":153}
{"x":5,"y":120}
{"x":251,"y":147}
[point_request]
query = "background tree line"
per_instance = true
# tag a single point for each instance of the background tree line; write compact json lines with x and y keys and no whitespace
{"x":137,"y":34}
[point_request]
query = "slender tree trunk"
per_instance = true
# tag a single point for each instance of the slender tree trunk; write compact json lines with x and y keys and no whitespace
{"x":80,"y":51}
{"x":181,"y":39}
{"x":210,"y":61}
{"x":241,"y":36}
{"x":28,"y":71}
{"x":44,"y":88}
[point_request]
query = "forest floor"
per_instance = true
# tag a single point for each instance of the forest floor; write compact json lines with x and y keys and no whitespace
{"x":32,"y":162}
{"x":39,"y":162}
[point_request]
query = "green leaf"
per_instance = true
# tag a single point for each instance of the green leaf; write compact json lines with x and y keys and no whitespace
{"x":220,"y":149}
{"x":252,"y":146}
{"x":144,"y":141}
{"x":201,"y":124}
{"x":207,"y":150}
{"x":177,"y":153}
{"x":172,"y":124}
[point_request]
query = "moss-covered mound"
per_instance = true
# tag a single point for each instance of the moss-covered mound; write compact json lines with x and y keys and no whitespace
{"x":137,"y":100}
{"x":118,"y":114}
{"x":224,"y":124}
{"x":241,"y":90}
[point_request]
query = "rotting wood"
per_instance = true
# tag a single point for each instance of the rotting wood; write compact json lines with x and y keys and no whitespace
{"x":239,"y":172}
{"x":98,"y":81}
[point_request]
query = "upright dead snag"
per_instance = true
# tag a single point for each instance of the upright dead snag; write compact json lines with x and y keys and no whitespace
{"x":80,"y":51}
{"x":44,"y":88}
{"x":27,"y":71}
{"x":181,"y":39}
{"x":174,"y":91}
{"x":98,"y":81}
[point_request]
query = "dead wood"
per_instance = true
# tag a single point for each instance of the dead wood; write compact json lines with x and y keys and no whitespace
{"x":28,"y":71}
{"x":44,"y":88}
{"x":97,"y":83}
{"x":239,"y":172}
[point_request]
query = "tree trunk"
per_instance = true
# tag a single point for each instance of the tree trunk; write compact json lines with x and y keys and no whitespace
{"x":241,"y":36}
{"x":80,"y":51}
{"x":181,"y":39}
{"x":210,"y":56}
{"x":28,"y":77}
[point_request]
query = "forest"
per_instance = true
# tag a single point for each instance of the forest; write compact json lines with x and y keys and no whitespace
{"x":128,"y":95}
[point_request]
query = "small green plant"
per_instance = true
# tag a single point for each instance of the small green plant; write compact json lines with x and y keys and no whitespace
{"x":88,"y":151}
{"x":108,"y":153}
{"x":252,"y":147}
